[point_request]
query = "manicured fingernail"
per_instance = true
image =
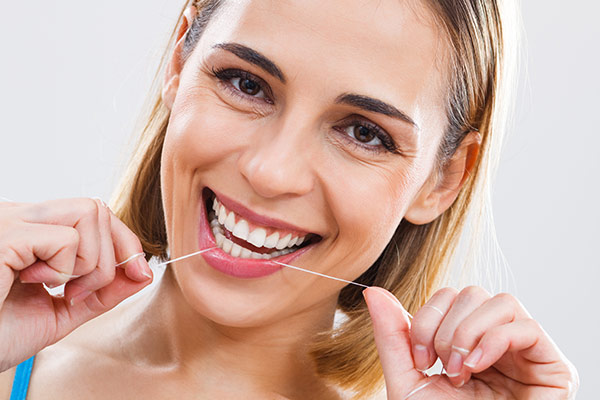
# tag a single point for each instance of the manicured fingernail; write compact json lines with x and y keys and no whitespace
{"x":473,"y":358}
{"x":461,"y":350}
{"x":454,"y":364}
{"x":421,"y":357}
{"x":144,"y":268}
{"x":80,"y":297}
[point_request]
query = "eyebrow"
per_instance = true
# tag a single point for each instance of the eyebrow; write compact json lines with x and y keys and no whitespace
{"x":352,"y":99}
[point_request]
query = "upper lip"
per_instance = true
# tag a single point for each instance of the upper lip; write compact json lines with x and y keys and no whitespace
{"x":252,"y":216}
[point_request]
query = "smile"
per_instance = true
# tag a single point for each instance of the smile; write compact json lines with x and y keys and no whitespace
{"x":246,"y":238}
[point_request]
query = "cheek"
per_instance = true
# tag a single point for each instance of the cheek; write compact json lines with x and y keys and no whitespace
{"x":200,"y":134}
{"x":369,"y":205}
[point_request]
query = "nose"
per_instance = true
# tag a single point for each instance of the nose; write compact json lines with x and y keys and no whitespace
{"x":277,"y":160}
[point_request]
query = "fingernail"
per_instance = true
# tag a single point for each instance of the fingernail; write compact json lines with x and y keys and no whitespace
{"x":145,"y":268}
{"x":80,"y":297}
{"x":387,"y":294}
{"x":454,"y":364}
{"x":421,"y":357}
{"x":473,"y":358}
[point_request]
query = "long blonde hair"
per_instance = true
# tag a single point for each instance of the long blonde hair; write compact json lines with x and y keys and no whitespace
{"x":416,"y":261}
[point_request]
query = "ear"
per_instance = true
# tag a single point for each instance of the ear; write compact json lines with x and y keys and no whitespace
{"x":438,"y":194}
{"x":171,"y":78}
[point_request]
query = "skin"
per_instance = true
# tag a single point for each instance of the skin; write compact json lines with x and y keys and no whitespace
{"x":205,"y":332}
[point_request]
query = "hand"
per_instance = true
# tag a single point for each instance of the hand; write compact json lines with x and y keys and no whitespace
{"x":52,"y":243}
{"x":490,"y":348}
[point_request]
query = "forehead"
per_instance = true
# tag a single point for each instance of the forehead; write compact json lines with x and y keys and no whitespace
{"x":387,"y":49}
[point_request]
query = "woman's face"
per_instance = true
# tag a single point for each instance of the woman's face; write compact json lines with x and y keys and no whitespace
{"x":305,"y":118}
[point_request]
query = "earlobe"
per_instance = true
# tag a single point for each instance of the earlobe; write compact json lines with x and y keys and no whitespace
{"x":173,"y":68}
{"x":437,"y":195}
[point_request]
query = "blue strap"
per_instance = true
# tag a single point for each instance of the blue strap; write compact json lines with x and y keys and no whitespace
{"x":21,"y":381}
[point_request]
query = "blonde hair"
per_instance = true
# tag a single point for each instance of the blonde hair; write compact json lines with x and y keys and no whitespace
{"x":416,"y":261}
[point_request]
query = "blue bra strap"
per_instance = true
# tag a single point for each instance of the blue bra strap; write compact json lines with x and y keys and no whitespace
{"x":21,"y":381}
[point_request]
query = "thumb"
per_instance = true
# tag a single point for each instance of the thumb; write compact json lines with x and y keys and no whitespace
{"x":391,"y":329}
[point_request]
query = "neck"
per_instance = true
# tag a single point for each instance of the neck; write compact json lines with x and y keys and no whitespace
{"x":169,"y":333}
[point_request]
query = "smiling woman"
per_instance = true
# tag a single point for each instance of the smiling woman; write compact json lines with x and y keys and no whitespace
{"x":353,"y":139}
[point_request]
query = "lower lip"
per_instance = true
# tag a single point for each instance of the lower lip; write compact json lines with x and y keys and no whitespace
{"x":234,"y":266}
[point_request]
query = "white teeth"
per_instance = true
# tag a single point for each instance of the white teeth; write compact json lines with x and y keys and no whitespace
{"x":283,"y":242}
{"x":245,"y":253}
{"x":292,"y":242}
{"x":230,"y":221}
{"x":222,"y":214}
{"x":240,"y":229}
{"x":257,"y":237}
{"x":220,"y":238}
{"x":227,"y":245}
{"x":236,"y":250}
{"x":272,"y":240}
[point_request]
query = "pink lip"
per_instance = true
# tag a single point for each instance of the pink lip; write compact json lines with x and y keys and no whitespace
{"x":258,"y":219}
{"x":233,"y":266}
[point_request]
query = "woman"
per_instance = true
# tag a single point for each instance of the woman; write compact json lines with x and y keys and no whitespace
{"x":349,"y":138}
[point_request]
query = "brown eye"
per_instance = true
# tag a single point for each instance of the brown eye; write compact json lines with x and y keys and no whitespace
{"x":249,"y":87}
{"x":363,"y":134}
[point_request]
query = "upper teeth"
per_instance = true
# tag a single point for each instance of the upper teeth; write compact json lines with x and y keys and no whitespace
{"x":258,"y":237}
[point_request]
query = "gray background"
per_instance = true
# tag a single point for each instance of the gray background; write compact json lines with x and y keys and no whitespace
{"x":73,"y":79}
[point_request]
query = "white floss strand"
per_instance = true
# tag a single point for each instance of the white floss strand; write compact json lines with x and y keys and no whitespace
{"x":320,"y":274}
{"x":276,"y":262}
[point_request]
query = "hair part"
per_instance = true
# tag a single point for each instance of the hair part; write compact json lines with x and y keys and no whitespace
{"x":417,"y":260}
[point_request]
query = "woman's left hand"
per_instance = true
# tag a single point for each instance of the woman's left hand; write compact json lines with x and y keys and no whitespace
{"x":490,"y":348}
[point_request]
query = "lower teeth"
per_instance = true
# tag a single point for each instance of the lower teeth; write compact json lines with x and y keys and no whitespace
{"x":235,"y":250}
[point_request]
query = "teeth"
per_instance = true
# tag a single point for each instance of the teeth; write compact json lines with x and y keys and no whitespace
{"x":227,"y":245}
{"x":292,"y":242}
{"x":272,"y":240}
{"x":220,"y":238}
{"x":241,"y":229}
{"x":236,"y":250}
{"x":230,"y":222}
{"x":246,"y":253}
{"x":222,"y":214}
{"x":283,"y":242}
{"x":257,"y":237}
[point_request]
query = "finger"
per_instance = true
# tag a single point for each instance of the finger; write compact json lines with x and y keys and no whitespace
{"x":468,"y":300}
{"x":126,"y":244}
{"x":70,"y":315}
{"x":391,"y":328}
{"x":55,"y":246}
{"x":425,"y":325}
{"x":81,"y":214}
{"x":499,"y":310}
{"x":104,"y":272}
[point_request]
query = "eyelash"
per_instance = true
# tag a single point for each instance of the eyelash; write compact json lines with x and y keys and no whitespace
{"x":226,"y":74}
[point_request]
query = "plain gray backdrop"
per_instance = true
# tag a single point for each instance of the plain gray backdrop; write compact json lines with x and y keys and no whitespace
{"x":73,"y":78}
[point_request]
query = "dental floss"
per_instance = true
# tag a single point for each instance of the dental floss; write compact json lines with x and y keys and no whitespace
{"x":276,"y":262}
{"x":320,"y":274}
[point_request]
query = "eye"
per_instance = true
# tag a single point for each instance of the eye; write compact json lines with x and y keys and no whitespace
{"x":243,"y":84}
{"x":368,"y":136}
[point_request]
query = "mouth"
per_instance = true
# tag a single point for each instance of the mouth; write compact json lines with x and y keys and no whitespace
{"x":246,"y":238}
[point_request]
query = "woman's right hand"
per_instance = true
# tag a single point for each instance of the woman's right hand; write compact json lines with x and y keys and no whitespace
{"x":50,"y":243}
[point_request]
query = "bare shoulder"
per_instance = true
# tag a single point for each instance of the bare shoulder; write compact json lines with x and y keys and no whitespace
{"x":6,"y":379}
